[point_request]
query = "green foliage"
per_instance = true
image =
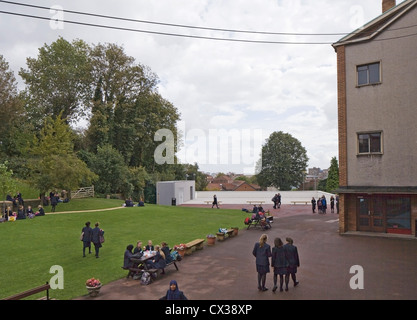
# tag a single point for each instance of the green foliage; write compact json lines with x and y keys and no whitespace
{"x":7,"y":184}
{"x":54,"y":163}
{"x":109,"y":166}
{"x":332,"y":182}
{"x":58,"y":81}
{"x":42,"y":242}
{"x":284,"y":160}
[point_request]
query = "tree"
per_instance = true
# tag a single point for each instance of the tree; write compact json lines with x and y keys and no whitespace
{"x":54,"y":163}
{"x":283,"y":162}
{"x":58,"y":81}
{"x":333,"y":177}
{"x":111,"y":169}
{"x":13,"y":131}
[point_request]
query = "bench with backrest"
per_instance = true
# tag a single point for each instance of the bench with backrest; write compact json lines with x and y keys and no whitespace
{"x":191,"y":246}
{"x":27,"y":293}
{"x":299,"y":201}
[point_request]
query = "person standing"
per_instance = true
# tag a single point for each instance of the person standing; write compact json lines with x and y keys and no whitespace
{"x":332,"y":204}
{"x":280,"y":264}
{"x":97,"y":233}
{"x":324,"y":204}
{"x":279,"y":200}
{"x":54,"y":202}
{"x":313,"y":204}
{"x":215,"y":202}
{"x":86,"y":236}
{"x":274,"y":200}
{"x":262,"y":253}
{"x":293,"y":261}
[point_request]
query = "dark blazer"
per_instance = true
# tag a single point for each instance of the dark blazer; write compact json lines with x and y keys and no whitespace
{"x":262,"y":254}
{"x":292,"y":255}
{"x":126,"y":260}
{"x":279,"y":257}
{"x":88,"y":234}
{"x":167,"y":253}
{"x":96,"y":235}
{"x":160,"y":262}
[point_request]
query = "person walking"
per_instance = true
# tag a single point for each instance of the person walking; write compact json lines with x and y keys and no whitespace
{"x":262,"y":253}
{"x":97,"y":233}
{"x":86,"y":236}
{"x":293,"y":261}
{"x":279,"y":200}
{"x":215,"y":202}
{"x":280,"y":264}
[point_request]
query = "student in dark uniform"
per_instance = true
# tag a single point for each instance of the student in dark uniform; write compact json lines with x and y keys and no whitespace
{"x":293,"y":260}
{"x":280,"y":264}
{"x":262,"y":253}
{"x":86,"y":236}
{"x":95,"y":238}
{"x":173,"y":293}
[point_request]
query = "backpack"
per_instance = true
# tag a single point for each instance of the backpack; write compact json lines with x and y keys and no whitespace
{"x":145,"y":279}
{"x":247,"y":221}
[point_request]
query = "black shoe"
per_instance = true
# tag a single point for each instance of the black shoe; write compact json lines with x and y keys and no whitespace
{"x":274,"y":289}
{"x":280,"y":290}
{"x":286,"y":288}
{"x":264,"y":288}
{"x":296,"y":283}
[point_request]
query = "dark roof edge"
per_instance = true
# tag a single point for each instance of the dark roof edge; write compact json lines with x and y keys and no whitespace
{"x":406,"y":5}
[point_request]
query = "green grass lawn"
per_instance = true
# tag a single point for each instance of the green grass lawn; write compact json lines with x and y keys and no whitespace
{"x":31,"y":247}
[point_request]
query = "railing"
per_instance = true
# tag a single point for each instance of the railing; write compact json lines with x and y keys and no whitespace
{"x":84,"y":192}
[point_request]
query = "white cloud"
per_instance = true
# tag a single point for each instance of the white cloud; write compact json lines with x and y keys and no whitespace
{"x":221,"y":84}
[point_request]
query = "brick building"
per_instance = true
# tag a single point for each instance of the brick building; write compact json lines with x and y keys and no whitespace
{"x":377,"y":117}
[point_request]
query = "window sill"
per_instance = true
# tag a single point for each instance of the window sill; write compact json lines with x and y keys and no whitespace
{"x":369,"y":154}
{"x":368,"y":85}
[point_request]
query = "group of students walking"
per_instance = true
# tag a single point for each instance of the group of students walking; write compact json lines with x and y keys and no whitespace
{"x":94,"y":235}
{"x":284,"y":260}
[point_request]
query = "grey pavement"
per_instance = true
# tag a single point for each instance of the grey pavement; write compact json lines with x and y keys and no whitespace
{"x":226,"y":271}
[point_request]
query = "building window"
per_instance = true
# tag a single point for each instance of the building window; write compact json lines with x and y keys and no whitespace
{"x":370,"y":142}
{"x":368,"y":74}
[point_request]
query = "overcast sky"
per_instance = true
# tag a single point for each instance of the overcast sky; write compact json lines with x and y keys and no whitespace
{"x":231,"y":94}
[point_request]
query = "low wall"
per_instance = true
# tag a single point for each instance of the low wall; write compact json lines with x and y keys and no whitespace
{"x":240,"y":197}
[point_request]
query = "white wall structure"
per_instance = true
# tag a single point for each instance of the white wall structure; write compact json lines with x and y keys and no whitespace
{"x":240,"y":197}
{"x":182,"y":191}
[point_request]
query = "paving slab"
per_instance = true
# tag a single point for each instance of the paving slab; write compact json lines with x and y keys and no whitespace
{"x":333,"y":266}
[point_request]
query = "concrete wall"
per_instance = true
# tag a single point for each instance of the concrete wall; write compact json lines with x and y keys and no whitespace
{"x":240,"y":197}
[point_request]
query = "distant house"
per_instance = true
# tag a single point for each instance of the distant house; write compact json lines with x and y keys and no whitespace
{"x":377,"y":117}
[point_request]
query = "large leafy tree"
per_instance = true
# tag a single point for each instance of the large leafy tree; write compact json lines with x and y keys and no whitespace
{"x":58,"y":81}
{"x":53,"y":161}
{"x":283,"y":162}
{"x":127,"y":109}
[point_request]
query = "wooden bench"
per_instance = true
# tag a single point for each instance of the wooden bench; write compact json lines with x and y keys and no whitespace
{"x":299,"y":201}
{"x":211,"y":202}
{"x":255,"y":202}
{"x":44,"y":287}
{"x":196,"y":244}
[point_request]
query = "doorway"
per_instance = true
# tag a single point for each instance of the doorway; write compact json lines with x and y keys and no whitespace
{"x":384,"y":213}
{"x":371,"y":215}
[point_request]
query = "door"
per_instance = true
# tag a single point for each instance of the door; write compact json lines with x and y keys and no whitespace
{"x":371,"y":215}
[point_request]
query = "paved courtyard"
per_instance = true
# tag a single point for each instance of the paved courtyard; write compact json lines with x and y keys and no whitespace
{"x":226,"y":271}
